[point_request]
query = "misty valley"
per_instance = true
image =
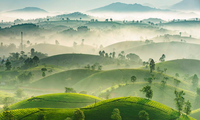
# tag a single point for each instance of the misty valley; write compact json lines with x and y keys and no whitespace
{"x":117,"y":62}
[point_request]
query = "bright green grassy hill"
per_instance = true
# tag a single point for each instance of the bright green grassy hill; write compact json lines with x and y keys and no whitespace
{"x":121,"y":46}
{"x":59,"y":100}
{"x":107,"y":79}
{"x":62,"y":79}
{"x":164,"y":95}
{"x":76,"y":60}
{"x":181,"y":66}
{"x":129,"y":108}
{"x":172,"y":50}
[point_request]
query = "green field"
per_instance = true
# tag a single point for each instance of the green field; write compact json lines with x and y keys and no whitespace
{"x":59,"y":100}
{"x":129,"y":108}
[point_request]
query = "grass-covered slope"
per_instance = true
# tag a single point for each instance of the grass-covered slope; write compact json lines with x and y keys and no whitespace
{"x":62,"y":79}
{"x":129,"y":108}
{"x":109,"y":78}
{"x":172,"y":50}
{"x":196,"y":114}
{"x":164,"y":95}
{"x":181,"y":66}
{"x":59,"y":100}
{"x":76,"y":60}
{"x":121,"y":46}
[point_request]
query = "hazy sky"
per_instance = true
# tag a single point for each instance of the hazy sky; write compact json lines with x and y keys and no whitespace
{"x":74,"y":5}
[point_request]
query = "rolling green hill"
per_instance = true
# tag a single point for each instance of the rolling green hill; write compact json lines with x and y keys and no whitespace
{"x":181,"y":66}
{"x":59,"y":100}
{"x":129,"y":108}
{"x":172,"y":50}
{"x":121,"y":46}
{"x":76,"y":60}
{"x":63,"y":79}
{"x":105,"y":79}
{"x":164,"y":95}
{"x":52,"y":49}
{"x":196,"y":114}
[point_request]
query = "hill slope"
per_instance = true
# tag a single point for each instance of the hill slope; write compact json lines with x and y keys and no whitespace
{"x":181,"y":66}
{"x":129,"y":108}
{"x":121,"y":46}
{"x":164,"y":95}
{"x":29,"y":10}
{"x":76,"y":59}
{"x":60,"y":100}
{"x":122,"y":7}
{"x":172,"y":50}
{"x":61,"y":80}
{"x":107,"y":79}
{"x":187,"y":5}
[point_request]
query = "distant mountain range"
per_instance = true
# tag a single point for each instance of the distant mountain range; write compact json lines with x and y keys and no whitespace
{"x":122,"y":7}
{"x":187,"y":5}
{"x":29,"y":10}
{"x":75,"y":15}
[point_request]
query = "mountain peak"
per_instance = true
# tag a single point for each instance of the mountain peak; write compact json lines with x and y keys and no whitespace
{"x":123,"y":7}
{"x":30,"y":9}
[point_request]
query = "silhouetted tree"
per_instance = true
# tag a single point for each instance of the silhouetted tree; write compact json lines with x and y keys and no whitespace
{"x":152,"y":66}
{"x":162,"y":58}
{"x":8,"y":65}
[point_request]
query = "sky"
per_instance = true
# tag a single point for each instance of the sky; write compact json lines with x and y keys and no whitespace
{"x":74,"y":5}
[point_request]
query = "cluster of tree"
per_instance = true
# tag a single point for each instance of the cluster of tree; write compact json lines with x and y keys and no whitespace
{"x":148,"y":91}
{"x":20,"y":93}
{"x":38,"y":54}
{"x":161,"y":71}
{"x":25,"y":77}
{"x":31,"y":62}
{"x":94,"y":67}
{"x":181,"y":104}
{"x":69,"y":90}
{"x":150,"y":64}
{"x":143,"y":115}
{"x":162,"y":58}
{"x":104,"y":54}
{"x":150,"y":79}
{"x":43,"y":72}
